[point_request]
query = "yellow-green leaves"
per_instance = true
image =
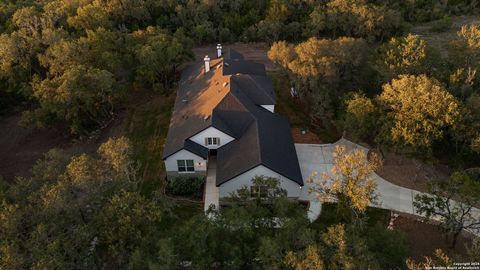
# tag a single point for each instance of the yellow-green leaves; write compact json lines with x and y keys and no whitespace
{"x":406,"y":55}
{"x":421,"y":110}
{"x":350,"y":180}
{"x":319,"y":57}
{"x":360,"y":118}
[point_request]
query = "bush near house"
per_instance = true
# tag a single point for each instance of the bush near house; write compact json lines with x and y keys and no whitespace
{"x":186,"y":185}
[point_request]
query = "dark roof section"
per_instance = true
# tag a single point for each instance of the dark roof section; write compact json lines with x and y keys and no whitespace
{"x":196,"y":148}
{"x":229,"y":98}
{"x":233,"y":54}
{"x":266,"y":141}
{"x":258,"y":88}
{"x":234,"y":67}
{"x":234,"y":114}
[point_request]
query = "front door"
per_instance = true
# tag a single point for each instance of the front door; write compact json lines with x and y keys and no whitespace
{"x":212,"y":152}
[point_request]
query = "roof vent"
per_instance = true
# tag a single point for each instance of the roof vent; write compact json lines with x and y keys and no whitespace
{"x":205,"y":118}
{"x":226,"y":64}
{"x":185,"y":100}
{"x":225,"y":84}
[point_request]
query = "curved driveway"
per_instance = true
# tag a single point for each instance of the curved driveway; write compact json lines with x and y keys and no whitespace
{"x":317,"y":158}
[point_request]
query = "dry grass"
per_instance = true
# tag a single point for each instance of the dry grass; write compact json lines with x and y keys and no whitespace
{"x":146,"y":125}
{"x":441,"y":40}
{"x":423,"y":238}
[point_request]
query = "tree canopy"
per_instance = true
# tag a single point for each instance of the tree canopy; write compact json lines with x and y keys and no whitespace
{"x":420,"y":110}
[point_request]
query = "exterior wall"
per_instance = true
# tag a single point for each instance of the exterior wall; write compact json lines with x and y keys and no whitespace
{"x":245,"y":179}
{"x":214,"y":133}
{"x":269,"y":107}
{"x":200,"y":164}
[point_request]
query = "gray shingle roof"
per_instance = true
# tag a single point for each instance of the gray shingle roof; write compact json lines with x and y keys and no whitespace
{"x":229,"y":98}
{"x":232,"y":54}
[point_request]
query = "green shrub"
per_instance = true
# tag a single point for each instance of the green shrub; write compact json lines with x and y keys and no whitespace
{"x":441,"y":25}
{"x":186,"y":185}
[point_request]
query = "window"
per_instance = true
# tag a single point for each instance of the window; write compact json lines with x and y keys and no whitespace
{"x":185,"y":165}
{"x":212,"y":141}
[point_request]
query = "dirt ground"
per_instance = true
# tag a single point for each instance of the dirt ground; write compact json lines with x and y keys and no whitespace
{"x":251,"y":51}
{"x":309,"y":137}
{"x":21,"y":147}
{"x":409,"y":172}
{"x":423,"y":238}
{"x":441,"y":40}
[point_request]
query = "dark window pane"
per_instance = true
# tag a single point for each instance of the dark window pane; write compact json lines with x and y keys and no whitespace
{"x":181,"y":165}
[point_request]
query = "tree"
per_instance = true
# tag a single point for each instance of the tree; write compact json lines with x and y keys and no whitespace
{"x":347,"y":249}
{"x":406,"y":55}
{"x":419,"y":111}
{"x":360,"y":19}
{"x":440,"y":259}
{"x":360,"y":118}
{"x":81,"y":96}
{"x":126,"y":222}
{"x":464,"y":57}
{"x":281,"y":53}
{"x":457,"y":215}
{"x":118,"y":154}
{"x":308,"y":259}
{"x":350,"y":181}
{"x":465,"y":49}
{"x":322,"y":70}
{"x":78,"y":213}
{"x":250,"y":233}
{"x":89,"y":17}
{"x":157,"y":55}
{"x":331,"y":59}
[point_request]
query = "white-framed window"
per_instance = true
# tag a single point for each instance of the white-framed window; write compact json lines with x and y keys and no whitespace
{"x":212,"y":141}
{"x":185,"y":165}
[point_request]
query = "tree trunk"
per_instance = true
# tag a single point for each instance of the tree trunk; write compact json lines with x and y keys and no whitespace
{"x":455,"y":238}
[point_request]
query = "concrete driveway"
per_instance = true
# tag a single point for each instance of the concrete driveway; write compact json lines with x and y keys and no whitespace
{"x":317,"y":158}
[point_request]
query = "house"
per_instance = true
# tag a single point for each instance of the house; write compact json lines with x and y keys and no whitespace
{"x":224,"y":112}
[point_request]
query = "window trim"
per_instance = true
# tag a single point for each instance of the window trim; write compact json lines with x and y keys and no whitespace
{"x":185,"y":167}
{"x":212,"y":141}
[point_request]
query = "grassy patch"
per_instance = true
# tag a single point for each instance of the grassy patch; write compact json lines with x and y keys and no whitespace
{"x":146,"y":124}
{"x":330,"y":216}
{"x":184,"y":210}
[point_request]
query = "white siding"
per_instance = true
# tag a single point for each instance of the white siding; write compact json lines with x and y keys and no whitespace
{"x":245,"y":179}
{"x":171,"y":161}
{"x":212,"y":132}
{"x":269,"y":107}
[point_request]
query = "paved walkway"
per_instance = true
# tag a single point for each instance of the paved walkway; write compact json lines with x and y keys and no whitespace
{"x":317,"y":158}
{"x":211,"y":189}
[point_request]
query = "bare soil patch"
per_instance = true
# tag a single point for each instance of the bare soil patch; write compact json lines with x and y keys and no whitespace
{"x":256,"y":51}
{"x":409,"y":172}
{"x":21,"y":147}
{"x":423,"y":238}
{"x":306,"y":137}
